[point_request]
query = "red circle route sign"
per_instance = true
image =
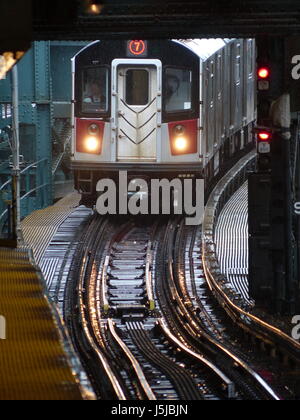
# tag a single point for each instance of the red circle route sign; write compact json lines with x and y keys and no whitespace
{"x":137,"y":47}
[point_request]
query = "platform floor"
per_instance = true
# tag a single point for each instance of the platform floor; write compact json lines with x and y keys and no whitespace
{"x":40,"y":227}
{"x":231,"y":238}
{"x":33,"y":361}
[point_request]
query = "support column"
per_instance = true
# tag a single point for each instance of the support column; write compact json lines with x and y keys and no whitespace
{"x":16,"y":209}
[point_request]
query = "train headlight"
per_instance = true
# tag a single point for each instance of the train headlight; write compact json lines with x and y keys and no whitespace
{"x":89,"y":136}
{"x":181,"y":144}
{"x":183,"y":137}
{"x":92,"y":144}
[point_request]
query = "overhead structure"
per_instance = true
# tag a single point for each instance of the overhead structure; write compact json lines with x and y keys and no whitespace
{"x":136,"y":19}
{"x":42,"y":20}
{"x":145,"y":19}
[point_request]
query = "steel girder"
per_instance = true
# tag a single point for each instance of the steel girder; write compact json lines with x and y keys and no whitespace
{"x":44,"y":99}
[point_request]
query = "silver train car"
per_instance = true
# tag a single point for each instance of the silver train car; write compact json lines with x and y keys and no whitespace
{"x":160,"y":109}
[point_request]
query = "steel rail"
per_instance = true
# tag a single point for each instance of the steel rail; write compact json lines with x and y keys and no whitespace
{"x":105,"y":303}
{"x":172,"y":311}
{"x":247,"y":321}
{"x":182,"y":381}
{"x":229,"y":353}
{"x":194,"y":326}
{"x":114,"y":381}
{"x":241,"y":316}
{"x":148,"y":275}
{"x":156,"y":358}
{"x":230,"y":386}
{"x":147,"y":390}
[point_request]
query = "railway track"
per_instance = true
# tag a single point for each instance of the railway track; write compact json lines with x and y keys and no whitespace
{"x":201,"y":333}
{"x":96,"y":314}
{"x":127,"y":299}
{"x":262,"y":332}
{"x":136,"y":317}
{"x":145,"y":310}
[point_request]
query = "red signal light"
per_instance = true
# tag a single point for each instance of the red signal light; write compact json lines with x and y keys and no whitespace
{"x":264,"y":136}
{"x":263,"y":73}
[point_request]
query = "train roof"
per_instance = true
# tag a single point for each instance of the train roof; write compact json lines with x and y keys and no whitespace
{"x":204,"y":48}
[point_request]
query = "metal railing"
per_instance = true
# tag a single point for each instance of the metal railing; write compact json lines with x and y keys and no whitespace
{"x":35,"y":192}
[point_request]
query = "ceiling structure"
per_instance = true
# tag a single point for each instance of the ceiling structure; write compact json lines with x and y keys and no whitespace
{"x":132,"y":19}
{"x":23,"y":21}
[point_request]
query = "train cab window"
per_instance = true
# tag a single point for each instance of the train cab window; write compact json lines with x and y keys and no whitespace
{"x":178,"y":90}
{"x":95,"y":90}
{"x":137,"y":87}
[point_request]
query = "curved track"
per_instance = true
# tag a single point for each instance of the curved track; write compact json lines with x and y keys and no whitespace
{"x":137,"y":317}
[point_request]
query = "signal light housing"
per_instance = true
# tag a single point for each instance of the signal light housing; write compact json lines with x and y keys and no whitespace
{"x":264,"y":138}
{"x":263,"y":75}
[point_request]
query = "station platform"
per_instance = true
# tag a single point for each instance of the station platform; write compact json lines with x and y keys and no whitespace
{"x":36,"y":359}
{"x":33,"y":359}
{"x":39,"y":228}
{"x":52,"y":235}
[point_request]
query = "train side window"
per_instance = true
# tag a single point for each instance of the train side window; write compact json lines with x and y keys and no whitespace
{"x":137,"y":87}
{"x":95,"y":90}
{"x":178,"y":90}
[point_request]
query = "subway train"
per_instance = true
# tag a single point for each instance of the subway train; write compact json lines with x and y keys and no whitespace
{"x":160,"y":109}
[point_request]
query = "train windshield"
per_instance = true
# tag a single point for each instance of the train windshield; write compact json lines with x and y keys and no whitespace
{"x":95,"y":90}
{"x":178,"y":90}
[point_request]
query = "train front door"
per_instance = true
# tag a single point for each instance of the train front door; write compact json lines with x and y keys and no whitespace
{"x":138,"y":113}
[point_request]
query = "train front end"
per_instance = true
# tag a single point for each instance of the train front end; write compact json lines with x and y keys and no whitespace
{"x":136,"y":111}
